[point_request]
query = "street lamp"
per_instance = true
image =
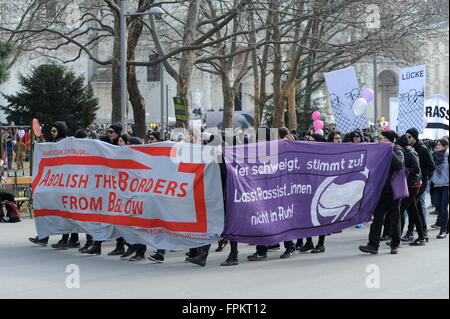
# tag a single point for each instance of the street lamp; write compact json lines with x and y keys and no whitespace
{"x":123,"y":55}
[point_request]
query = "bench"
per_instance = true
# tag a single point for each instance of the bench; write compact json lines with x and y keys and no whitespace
{"x":20,"y":187}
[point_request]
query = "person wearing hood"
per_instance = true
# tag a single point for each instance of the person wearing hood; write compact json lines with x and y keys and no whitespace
{"x":440,"y":180}
{"x":387,"y":207}
{"x":427,"y":168}
{"x":409,"y":204}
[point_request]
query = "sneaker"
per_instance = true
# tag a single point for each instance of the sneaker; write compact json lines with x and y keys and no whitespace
{"x":394,"y":251}
{"x":287,"y":254}
{"x":389,"y":244}
{"x":118,"y":251}
{"x":307,"y":247}
{"x":85,"y":248}
{"x":418,"y":242}
{"x":256,"y":257}
{"x":230,"y":262}
{"x":157,"y":258}
{"x":407,"y":238}
{"x":130,"y":251}
{"x":368,"y":249}
{"x":442,"y":235}
{"x":73,"y":244}
{"x":298,"y":246}
{"x":35,"y":240}
{"x":137,"y":258}
{"x":318,"y":249}
{"x":436,"y":226}
{"x":61,"y":245}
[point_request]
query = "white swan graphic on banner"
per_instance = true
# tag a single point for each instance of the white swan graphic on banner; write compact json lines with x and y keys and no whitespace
{"x":332,"y":199}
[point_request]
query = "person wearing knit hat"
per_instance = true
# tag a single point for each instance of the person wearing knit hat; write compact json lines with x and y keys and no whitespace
{"x":414,"y":133}
{"x":427,"y":167}
{"x":114,"y":132}
{"x":389,"y":135}
{"x":387,"y":206}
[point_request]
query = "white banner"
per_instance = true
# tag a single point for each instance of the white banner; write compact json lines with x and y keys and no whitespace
{"x":343,"y":90}
{"x":149,"y":194}
{"x":436,"y":112}
{"x":411,"y":99}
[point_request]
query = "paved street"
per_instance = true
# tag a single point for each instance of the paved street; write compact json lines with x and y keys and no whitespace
{"x":30,"y":271}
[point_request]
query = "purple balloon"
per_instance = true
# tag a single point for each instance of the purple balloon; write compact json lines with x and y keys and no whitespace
{"x":368,"y":95}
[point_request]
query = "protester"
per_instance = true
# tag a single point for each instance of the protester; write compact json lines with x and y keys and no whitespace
{"x":334,"y":137}
{"x":123,"y":140}
{"x":440,"y":180}
{"x":320,"y":248}
{"x":5,"y":197}
{"x":59,"y":132}
{"x":427,"y":167}
{"x":412,"y":166}
{"x":387,"y":205}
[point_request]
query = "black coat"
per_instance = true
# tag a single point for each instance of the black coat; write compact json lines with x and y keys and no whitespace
{"x":412,"y":164}
{"x":398,"y":162}
{"x":427,"y":165}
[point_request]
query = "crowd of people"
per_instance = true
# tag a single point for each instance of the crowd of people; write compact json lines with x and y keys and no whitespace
{"x":426,"y":169}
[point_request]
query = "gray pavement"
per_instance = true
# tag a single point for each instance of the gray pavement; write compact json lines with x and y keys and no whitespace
{"x":31,"y":271}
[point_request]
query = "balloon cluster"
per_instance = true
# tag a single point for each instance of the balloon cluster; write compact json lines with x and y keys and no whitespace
{"x":318,"y":124}
{"x":360,"y":105}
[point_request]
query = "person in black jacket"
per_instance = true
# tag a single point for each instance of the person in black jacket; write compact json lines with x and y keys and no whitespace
{"x":414,"y":183}
{"x":387,"y":205}
{"x":427,"y":168}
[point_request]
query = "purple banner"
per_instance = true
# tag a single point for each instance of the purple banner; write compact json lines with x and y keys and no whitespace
{"x":285,"y":190}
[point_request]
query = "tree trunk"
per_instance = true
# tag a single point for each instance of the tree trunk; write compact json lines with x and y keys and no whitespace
{"x":228,"y":101}
{"x":187,"y":58}
{"x":278,"y":96}
{"x":136,"y":99}
{"x":115,"y":87}
{"x":292,"y":108}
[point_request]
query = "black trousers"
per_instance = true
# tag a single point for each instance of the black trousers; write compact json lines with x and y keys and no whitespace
{"x":73,"y":238}
{"x":410,"y":204}
{"x":423,"y":189}
{"x":387,"y":208}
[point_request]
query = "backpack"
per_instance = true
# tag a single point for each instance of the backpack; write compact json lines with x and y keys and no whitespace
{"x":13,"y":212}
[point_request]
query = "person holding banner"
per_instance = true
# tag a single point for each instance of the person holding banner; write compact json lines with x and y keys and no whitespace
{"x":427,"y":167}
{"x":387,"y":207}
{"x":409,"y":204}
{"x":440,"y":180}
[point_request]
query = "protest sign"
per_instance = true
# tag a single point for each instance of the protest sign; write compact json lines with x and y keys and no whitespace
{"x":305,"y":189}
{"x":411,"y":99}
{"x":436,"y":115}
{"x":146,"y":194}
{"x":180,"y":109}
{"x":343,"y":90}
